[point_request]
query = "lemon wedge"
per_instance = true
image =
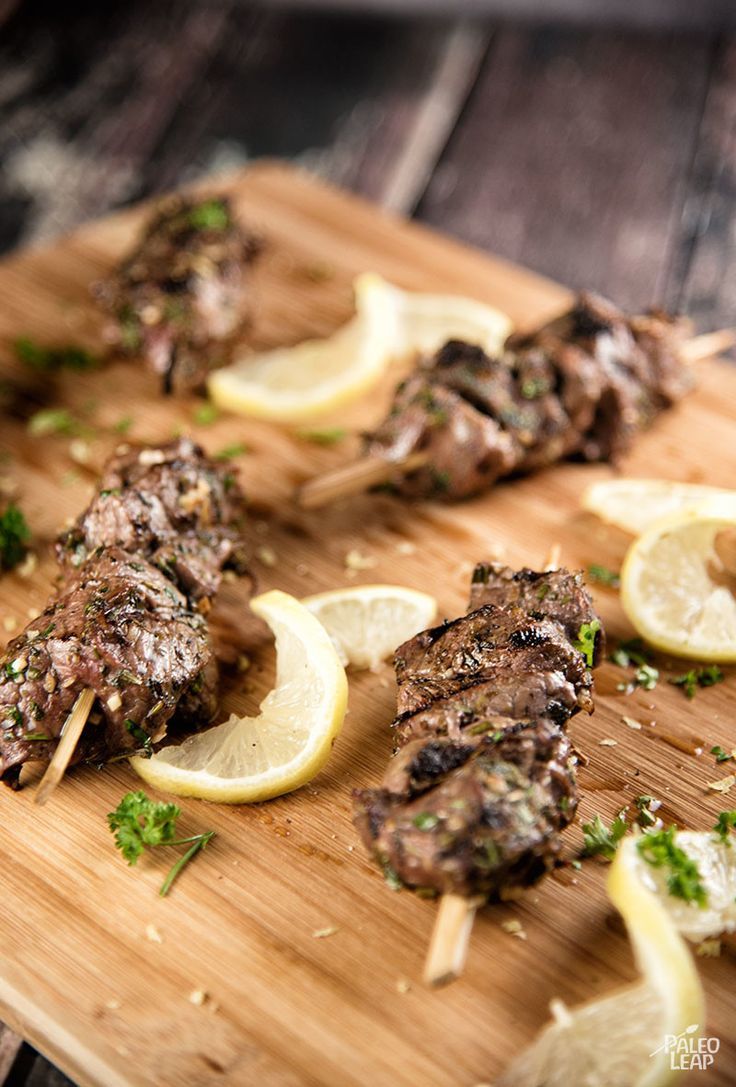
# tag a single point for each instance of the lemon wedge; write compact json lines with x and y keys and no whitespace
{"x":716,"y":863}
{"x":635,"y":504}
{"x":367,"y":622}
{"x":300,"y":383}
{"x":677,"y":582}
{"x":619,"y":1040}
{"x":255,"y":758}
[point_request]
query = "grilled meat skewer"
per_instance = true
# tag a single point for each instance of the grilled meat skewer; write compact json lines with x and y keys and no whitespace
{"x":120,"y":628}
{"x":581,"y":386}
{"x":472,"y":805}
{"x":171,"y":504}
{"x":184,"y":290}
{"x":141,"y":564}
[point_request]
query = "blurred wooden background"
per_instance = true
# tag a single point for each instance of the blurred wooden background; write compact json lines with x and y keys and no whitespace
{"x":603,"y":158}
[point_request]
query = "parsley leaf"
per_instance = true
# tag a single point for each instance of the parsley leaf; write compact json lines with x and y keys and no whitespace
{"x":659,"y":849}
{"x":646,"y":806}
{"x":209,"y":215}
{"x":721,"y":754}
{"x":725,"y":823}
{"x":230,"y":451}
{"x":139,"y":823}
{"x":598,"y":839}
{"x":55,"y":421}
{"x":646,"y":676}
{"x":585,"y":641}
{"x":14,"y":537}
{"x":328,"y":435}
{"x":50,"y":359}
{"x":698,"y":677}
{"x":425,"y":820}
{"x":604,"y":576}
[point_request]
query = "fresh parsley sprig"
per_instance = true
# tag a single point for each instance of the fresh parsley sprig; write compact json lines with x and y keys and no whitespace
{"x":600,"y":840}
{"x":725,"y":823}
{"x":139,"y":823}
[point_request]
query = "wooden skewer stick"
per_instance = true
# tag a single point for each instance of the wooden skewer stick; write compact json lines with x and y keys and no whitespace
{"x":448,"y":948}
{"x":708,"y":345}
{"x":369,"y":472}
{"x":68,"y":740}
{"x":355,"y":478}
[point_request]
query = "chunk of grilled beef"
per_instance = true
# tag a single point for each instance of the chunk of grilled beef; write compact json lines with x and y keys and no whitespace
{"x":549,"y":594}
{"x":471,"y":817}
{"x":493,"y":644}
{"x":183,"y":292}
{"x":172,"y":505}
{"x":468,"y":451}
{"x":582,"y":385}
{"x":122,"y":629}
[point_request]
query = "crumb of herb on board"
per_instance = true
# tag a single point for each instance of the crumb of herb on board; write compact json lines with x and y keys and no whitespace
{"x":721,"y":754}
{"x":229,"y":452}
{"x":604,"y":576}
{"x":323,"y":435}
{"x":206,"y":413}
{"x":698,"y":677}
{"x":14,"y":537}
{"x":724,"y":824}
{"x":139,"y":823}
{"x":47,"y":360}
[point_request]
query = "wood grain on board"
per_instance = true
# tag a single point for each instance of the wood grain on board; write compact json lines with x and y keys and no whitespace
{"x":79,"y":976}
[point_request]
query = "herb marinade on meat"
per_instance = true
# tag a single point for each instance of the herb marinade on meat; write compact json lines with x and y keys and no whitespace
{"x":183,"y":292}
{"x":581,"y":386}
{"x":484,"y":778}
{"x":141,"y":566}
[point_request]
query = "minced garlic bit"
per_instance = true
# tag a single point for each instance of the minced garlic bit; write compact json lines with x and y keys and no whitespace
{"x":406,"y":547}
{"x":514,"y":928}
{"x":113,"y":1004}
{"x":322,"y":933}
{"x":607,"y":743}
{"x":153,"y":934}
{"x":267,"y":556}
{"x":632,"y":723}
{"x":355,"y":560}
{"x":198,"y":997}
{"x":28,"y":567}
{"x":403,"y":985}
{"x":80,"y":451}
{"x":244,"y":662}
{"x":723,"y":785}
{"x":10,"y":623}
{"x":114,"y":702}
{"x":150,"y":457}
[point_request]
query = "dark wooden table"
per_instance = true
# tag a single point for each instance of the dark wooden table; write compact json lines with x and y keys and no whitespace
{"x":602,"y":158}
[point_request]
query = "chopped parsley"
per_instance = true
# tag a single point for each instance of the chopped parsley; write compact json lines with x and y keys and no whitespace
{"x":604,"y":576}
{"x":425,"y":820}
{"x":659,"y":849}
{"x":206,"y":413}
{"x":600,"y":840}
{"x":698,"y":677}
{"x":646,"y":676}
{"x":328,"y":435}
{"x":14,"y":537}
{"x":631,"y":652}
{"x":140,"y":736}
{"x":725,"y":823}
{"x":49,"y":359}
{"x":123,"y":424}
{"x":721,"y":754}
{"x":534,"y":387}
{"x":645,"y":807}
{"x":209,"y":215}
{"x":236,"y":449}
{"x":139,"y":824}
{"x":585,"y":641}
{"x":54,"y":421}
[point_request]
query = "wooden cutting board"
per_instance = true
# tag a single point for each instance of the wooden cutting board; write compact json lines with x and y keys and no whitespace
{"x":80,"y":975}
